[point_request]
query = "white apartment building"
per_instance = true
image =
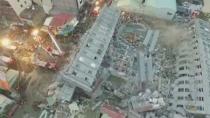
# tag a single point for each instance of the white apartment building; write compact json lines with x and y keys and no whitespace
{"x":191,"y":90}
{"x":84,"y":68}
{"x":20,"y":5}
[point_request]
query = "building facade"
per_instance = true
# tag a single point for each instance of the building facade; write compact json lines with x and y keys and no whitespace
{"x":83,"y":70}
{"x":191,"y":90}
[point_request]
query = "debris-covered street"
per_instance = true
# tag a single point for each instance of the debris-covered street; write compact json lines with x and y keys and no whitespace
{"x":104,"y":59}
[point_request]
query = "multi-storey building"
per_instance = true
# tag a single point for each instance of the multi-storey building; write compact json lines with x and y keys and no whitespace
{"x":191,"y":90}
{"x":84,"y":68}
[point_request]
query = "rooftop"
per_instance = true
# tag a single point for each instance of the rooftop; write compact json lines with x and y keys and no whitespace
{"x":169,"y":4}
{"x":61,"y":19}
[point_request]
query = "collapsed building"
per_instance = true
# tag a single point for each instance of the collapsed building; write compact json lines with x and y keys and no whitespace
{"x":190,"y":91}
{"x":136,"y":38}
{"x":95,"y":42}
{"x":145,"y":102}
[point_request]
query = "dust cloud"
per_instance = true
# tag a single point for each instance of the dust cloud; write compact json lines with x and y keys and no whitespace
{"x":170,"y":34}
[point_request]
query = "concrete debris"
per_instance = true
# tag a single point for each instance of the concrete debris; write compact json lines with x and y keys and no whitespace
{"x":116,"y":64}
{"x":146,"y":101}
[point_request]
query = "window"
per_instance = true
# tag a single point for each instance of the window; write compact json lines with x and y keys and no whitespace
{"x":198,"y":81}
{"x":179,"y":105}
{"x":18,"y":0}
{"x":93,"y":65}
{"x":182,"y":56}
{"x":200,"y":89}
{"x":180,"y":98}
{"x":186,"y":98}
{"x":198,"y":66}
{"x":90,"y":72}
{"x":197,"y":59}
{"x":86,"y":79}
{"x":169,"y":13}
{"x":187,"y":90}
{"x":196,"y":53}
{"x":194,"y":48}
{"x":74,"y":73}
{"x":99,"y":51}
{"x":80,"y":1}
{"x":183,"y":62}
{"x":21,"y":5}
{"x":197,"y":74}
{"x":181,"y":82}
{"x":196,"y":41}
{"x":181,"y":90}
{"x":181,"y":68}
{"x":200,"y":98}
{"x":25,"y":2}
{"x":182,"y":75}
{"x":200,"y":108}
{"x":187,"y":82}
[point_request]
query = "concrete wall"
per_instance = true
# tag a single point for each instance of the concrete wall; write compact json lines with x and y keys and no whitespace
{"x":193,"y":64}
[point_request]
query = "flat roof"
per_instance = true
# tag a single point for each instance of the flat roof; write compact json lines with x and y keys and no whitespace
{"x":169,"y":4}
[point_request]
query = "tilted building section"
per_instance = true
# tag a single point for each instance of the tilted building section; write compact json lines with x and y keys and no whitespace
{"x":83,"y":70}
